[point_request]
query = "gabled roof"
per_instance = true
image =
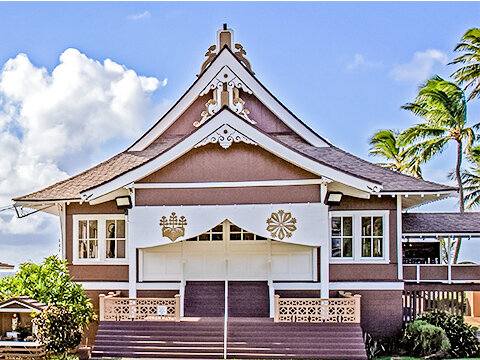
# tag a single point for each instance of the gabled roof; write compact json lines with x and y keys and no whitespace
{"x":331,"y":157}
{"x":441,"y":223}
{"x":22,"y":302}
{"x":303,"y":147}
{"x":390,"y":180}
{"x":226,"y":58}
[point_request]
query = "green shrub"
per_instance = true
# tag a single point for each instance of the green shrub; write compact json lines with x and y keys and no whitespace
{"x":382,"y":346}
{"x":423,"y":339}
{"x":463,"y":338}
{"x":58,"y":330}
{"x":50,"y":283}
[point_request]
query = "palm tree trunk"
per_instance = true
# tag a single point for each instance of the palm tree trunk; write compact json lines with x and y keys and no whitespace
{"x":460,"y":195}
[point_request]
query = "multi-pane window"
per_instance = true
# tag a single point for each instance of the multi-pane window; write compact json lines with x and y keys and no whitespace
{"x":215,"y":234}
{"x":100,"y":239}
{"x":88,"y":239}
{"x":237,"y":233}
{"x":359,"y":236}
{"x":372,"y":236}
{"x":115,"y":236}
{"x":342,"y":236}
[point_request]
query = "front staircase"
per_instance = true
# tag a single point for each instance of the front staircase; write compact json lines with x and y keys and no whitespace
{"x":248,"y":338}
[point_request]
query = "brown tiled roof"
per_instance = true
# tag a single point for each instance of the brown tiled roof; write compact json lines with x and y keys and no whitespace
{"x":441,"y":223}
{"x":333,"y":157}
{"x":24,"y":300}
{"x":353,"y":165}
{"x":70,"y":189}
{"x":6,"y":266}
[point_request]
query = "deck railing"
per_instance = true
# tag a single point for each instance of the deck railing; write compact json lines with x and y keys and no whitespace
{"x":345,"y":309}
{"x":444,"y":273}
{"x":114,"y":308}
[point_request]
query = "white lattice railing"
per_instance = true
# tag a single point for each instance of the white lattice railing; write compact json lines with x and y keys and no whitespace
{"x":139,"y":309}
{"x":315,"y":310}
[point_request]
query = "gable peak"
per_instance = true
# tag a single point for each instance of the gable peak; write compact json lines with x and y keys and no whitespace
{"x":225,"y":38}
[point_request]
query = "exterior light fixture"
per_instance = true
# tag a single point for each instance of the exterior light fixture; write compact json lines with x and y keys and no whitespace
{"x":123,"y":202}
{"x":333,"y":198}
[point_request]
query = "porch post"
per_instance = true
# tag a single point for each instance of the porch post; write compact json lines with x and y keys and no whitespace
{"x":399,"y":238}
{"x":132,"y":263}
{"x":324,"y":273}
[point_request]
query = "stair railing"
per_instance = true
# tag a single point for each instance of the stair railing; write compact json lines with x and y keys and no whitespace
{"x":225,"y":322}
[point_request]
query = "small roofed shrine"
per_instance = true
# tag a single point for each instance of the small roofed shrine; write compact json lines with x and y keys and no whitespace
{"x":17,"y":333}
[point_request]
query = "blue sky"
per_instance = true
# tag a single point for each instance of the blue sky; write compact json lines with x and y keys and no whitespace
{"x":344,"y":68}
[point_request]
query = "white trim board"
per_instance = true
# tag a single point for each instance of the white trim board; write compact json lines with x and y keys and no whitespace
{"x":226,"y":58}
{"x":366,"y":285}
{"x":229,"y":184}
{"x":113,"y":285}
{"x":297,"y":286}
{"x":103,"y":285}
{"x":227,"y":117}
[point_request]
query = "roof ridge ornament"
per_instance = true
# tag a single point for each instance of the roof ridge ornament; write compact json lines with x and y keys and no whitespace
{"x":225,"y":38}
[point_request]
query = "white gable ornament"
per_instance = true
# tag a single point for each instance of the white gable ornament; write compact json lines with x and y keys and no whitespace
{"x":226,"y":92}
{"x":225,"y":136}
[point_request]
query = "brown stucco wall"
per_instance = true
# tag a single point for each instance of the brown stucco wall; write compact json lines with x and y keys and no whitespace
{"x":252,"y":195}
{"x":240,"y":162}
{"x":264,"y":118}
{"x":369,"y":272}
{"x":381,"y":311}
{"x":363,"y":272}
{"x":184,"y":123}
{"x":91,"y":272}
{"x":157,"y":293}
{"x":298,"y":293}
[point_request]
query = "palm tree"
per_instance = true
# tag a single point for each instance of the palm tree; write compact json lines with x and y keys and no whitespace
{"x":469,"y":73}
{"x":443,"y":106}
{"x":471,"y":180}
{"x":386,"y":143}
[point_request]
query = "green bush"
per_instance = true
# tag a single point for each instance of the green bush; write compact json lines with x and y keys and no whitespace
{"x":50,"y":283}
{"x":58,"y":330}
{"x":423,"y":339}
{"x":463,"y":337}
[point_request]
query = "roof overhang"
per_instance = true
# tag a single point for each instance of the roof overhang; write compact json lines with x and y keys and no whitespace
{"x":226,"y":117}
{"x":412,"y":199}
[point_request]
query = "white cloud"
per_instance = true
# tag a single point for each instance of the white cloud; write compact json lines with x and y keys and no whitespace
{"x":420,"y":67}
{"x":48,"y":117}
{"x":359,"y":61}
{"x":144,"y":15}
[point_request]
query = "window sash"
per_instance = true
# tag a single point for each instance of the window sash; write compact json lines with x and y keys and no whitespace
{"x":369,"y":240}
{"x":95,"y":244}
{"x":343,"y":239}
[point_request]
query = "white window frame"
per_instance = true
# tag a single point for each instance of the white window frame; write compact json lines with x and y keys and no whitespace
{"x":357,"y":237}
{"x":102,"y":240}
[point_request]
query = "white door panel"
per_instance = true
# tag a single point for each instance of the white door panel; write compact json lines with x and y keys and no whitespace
{"x":245,"y":259}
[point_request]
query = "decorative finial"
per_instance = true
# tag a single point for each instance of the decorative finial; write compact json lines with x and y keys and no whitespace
{"x":225,"y":39}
